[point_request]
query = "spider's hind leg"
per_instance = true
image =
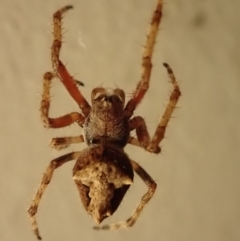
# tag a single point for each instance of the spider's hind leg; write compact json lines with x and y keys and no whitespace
{"x":47,"y":176}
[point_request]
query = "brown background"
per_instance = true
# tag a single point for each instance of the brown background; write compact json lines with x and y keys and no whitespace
{"x":198,"y":172}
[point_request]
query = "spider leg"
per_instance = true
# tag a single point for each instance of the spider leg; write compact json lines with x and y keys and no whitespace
{"x":60,"y":143}
{"x":59,"y":67}
{"x":143,"y":84}
{"x":139,"y":124}
{"x":134,"y":141}
{"x":173,"y":100}
{"x":143,"y":138}
{"x":145,"y":199}
{"x":61,"y":121}
{"x":54,"y":164}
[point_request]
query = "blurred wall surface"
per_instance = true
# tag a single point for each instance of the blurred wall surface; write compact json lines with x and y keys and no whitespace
{"x":197,"y":173}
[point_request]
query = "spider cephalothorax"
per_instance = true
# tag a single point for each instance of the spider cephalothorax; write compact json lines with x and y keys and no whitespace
{"x":103,"y":171}
{"x":106,"y":118}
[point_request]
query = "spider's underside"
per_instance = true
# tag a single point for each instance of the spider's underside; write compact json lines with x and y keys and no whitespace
{"x":103,"y":171}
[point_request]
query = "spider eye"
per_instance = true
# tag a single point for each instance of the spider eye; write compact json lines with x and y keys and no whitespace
{"x":97,"y":92}
{"x":120,"y":94}
{"x":98,"y":96}
{"x":95,"y":141}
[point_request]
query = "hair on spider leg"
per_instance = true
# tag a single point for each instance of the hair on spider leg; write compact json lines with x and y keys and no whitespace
{"x":78,"y":82}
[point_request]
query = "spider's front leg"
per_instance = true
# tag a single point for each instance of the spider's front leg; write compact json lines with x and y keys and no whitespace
{"x":143,"y":84}
{"x":59,"y":67}
{"x":54,"y":164}
{"x":61,"y":121}
{"x":139,"y":124}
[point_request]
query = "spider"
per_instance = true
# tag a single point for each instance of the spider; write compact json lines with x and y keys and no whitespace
{"x":103,"y":171}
